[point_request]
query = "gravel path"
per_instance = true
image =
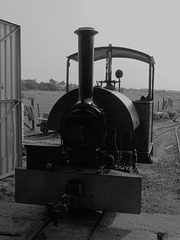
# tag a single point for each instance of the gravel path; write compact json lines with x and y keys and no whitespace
{"x":161,"y":180}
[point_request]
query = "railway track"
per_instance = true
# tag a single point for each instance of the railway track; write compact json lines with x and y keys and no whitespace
{"x":46,"y":227}
{"x":166,"y":128}
{"x":178,"y":138}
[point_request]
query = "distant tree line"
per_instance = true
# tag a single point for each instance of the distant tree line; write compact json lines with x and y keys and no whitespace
{"x":52,"y":85}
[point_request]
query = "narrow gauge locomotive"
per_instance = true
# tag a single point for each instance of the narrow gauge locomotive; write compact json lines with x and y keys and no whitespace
{"x":103,"y":135}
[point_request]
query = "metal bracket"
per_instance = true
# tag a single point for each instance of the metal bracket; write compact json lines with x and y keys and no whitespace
{"x":73,"y":191}
{"x":17,"y":101}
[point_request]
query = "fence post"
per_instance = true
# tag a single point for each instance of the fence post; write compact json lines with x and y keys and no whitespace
{"x":33,"y":121}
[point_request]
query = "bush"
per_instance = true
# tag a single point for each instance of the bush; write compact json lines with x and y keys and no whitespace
{"x":52,"y":85}
{"x":29,"y":84}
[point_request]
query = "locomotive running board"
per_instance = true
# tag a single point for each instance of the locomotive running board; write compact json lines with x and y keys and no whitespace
{"x":112,"y":191}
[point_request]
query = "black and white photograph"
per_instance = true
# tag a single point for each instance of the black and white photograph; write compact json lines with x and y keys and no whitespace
{"x":89,"y":120}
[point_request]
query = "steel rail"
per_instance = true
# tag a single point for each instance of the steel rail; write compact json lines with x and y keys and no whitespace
{"x":168,"y":127}
{"x":167,"y":130}
{"x":91,"y":235}
{"x":174,"y":127}
{"x":177,"y":139}
{"x":35,"y":234}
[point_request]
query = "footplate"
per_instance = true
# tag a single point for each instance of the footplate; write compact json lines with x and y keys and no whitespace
{"x":109,"y":190}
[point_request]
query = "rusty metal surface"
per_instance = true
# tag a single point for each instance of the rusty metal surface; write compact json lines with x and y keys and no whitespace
{"x":111,"y":191}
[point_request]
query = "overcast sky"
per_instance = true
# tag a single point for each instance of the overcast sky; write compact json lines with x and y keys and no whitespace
{"x":47,"y":36}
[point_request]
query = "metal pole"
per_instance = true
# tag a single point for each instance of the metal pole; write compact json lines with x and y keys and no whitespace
{"x":110,"y":63}
{"x":67,"y":75}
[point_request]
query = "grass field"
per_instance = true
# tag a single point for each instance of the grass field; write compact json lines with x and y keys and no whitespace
{"x":46,"y":100}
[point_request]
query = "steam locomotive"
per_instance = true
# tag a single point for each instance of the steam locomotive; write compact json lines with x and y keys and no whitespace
{"x":103,"y":135}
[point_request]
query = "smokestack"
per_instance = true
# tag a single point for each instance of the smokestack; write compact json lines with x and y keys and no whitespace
{"x":86,"y":62}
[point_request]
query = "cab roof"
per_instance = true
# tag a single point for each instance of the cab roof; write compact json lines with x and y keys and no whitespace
{"x":117,"y":52}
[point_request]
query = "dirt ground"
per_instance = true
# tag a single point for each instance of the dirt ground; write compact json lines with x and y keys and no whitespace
{"x":161,"y":180}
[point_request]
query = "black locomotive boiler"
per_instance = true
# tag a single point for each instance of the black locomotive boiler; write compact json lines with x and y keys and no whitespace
{"x":103,"y":135}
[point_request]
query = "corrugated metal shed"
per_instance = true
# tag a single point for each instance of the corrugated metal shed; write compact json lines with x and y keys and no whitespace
{"x":10,"y":98}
